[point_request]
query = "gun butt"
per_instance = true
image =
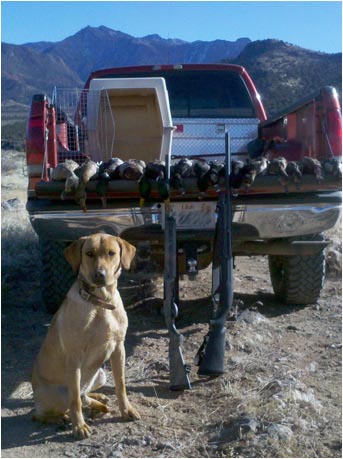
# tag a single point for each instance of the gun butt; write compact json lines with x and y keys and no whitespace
{"x":179,"y":371}
{"x":211,"y":360}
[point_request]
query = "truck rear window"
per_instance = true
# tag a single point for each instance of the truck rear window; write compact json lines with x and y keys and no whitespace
{"x":204,"y":94}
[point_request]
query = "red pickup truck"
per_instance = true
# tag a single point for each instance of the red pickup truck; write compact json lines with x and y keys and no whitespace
{"x":288,"y":169}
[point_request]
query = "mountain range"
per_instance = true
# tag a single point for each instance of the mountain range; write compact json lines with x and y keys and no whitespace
{"x":282,"y":72}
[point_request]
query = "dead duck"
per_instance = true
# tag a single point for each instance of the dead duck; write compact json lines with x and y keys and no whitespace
{"x":63,"y":170}
{"x":277,"y":166}
{"x":101,"y":188}
{"x":178,"y":171}
{"x":249,"y":173}
{"x":80,"y":196}
{"x":71,"y":184}
{"x":106,"y":172}
{"x":252,"y":169}
{"x":132,"y":169}
{"x":211,"y":177}
{"x":312,"y":166}
{"x":294,"y":173}
{"x":236,"y":176}
{"x":88,"y":170}
{"x":66,"y":172}
{"x":154,"y":171}
{"x":333,"y":167}
{"x":198,"y":170}
{"x":199,"y":167}
{"x":260,"y":164}
{"x":111,"y":167}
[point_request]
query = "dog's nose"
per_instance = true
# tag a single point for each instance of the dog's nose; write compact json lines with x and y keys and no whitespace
{"x":100,"y":276}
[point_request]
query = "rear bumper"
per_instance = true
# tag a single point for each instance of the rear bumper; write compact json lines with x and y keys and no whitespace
{"x":253,"y":219}
{"x":272,"y":222}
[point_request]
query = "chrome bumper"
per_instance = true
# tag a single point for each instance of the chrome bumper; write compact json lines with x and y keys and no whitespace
{"x":288,"y":220}
{"x":260,"y":221}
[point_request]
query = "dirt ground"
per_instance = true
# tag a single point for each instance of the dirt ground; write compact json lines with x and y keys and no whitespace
{"x":280,"y":396}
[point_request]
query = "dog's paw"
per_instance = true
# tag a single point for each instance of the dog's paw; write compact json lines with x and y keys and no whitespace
{"x":96,"y":404}
{"x":99,"y":397}
{"x":51,"y":418}
{"x":130,"y":414}
{"x":82,"y":430}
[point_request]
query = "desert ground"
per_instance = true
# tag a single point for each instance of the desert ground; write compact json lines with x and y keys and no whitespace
{"x":279,"y":397}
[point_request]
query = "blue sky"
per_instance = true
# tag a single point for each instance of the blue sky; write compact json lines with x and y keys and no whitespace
{"x":315,"y":25}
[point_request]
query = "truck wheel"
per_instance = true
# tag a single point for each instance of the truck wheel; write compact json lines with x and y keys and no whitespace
{"x":56,"y":274}
{"x":298,"y":279}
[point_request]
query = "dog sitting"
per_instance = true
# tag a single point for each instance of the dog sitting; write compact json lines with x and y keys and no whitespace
{"x":88,"y":329}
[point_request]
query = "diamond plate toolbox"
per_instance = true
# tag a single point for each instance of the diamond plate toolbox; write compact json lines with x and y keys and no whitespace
{"x":206,"y":137}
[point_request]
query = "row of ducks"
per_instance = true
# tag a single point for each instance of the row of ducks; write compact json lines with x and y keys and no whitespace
{"x":207,"y":174}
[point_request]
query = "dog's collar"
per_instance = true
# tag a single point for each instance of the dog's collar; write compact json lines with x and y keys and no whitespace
{"x":86,"y":294}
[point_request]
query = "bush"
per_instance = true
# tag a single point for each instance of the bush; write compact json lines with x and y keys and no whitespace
{"x":20,"y":259}
{"x":13,"y":136}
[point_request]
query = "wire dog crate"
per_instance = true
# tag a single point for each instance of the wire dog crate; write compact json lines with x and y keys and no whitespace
{"x":81,"y":115}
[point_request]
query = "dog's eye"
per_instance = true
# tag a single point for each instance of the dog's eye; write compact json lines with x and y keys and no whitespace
{"x":90,"y":254}
{"x":111,"y":253}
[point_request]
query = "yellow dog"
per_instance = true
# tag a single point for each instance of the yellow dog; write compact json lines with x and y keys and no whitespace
{"x":88,"y":329}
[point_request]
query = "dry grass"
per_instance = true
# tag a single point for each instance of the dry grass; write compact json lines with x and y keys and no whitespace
{"x":13,"y":175}
{"x":19,"y":252}
{"x":19,"y":243}
{"x":334,"y":251}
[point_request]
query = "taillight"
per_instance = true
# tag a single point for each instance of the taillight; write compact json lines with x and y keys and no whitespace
{"x":35,"y":122}
{"x":334,"y":131}
{"x":35,"y":141}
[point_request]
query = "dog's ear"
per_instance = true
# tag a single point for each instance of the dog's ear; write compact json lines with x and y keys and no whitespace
{"x":128,"y":252}
{"x":72,"y":253}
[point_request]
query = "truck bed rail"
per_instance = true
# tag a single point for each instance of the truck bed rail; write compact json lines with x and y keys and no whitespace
{"x":127,"y":189}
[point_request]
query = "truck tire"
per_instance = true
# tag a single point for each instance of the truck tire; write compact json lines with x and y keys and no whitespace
{"x":298,"y":279}
{"x":56,"y":274}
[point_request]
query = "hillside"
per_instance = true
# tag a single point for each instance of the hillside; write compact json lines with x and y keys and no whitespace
{"x":94,"y":48}
{"x":69,"y":62}
{"x":26,"y":71}
{"x":282,"y":72}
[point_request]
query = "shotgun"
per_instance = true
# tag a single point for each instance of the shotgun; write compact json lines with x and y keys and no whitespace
{"x":210,"y":356}
{"x":178,"y":370}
